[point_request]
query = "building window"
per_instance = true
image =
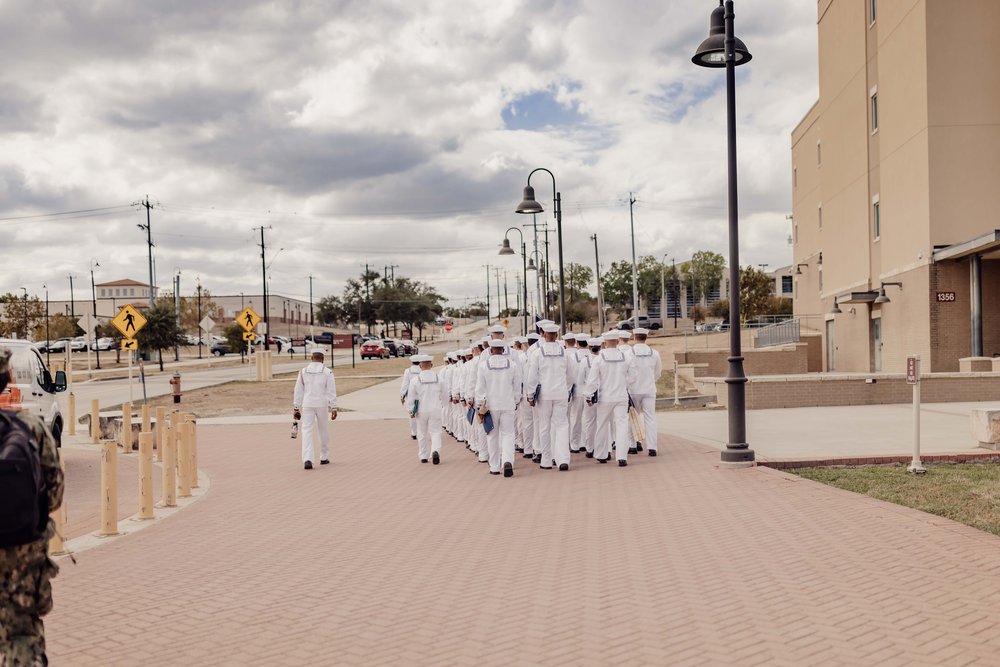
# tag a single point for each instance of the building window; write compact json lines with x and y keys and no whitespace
{"x":874,"y":98}
{"x":871,"y":11}
{"x":819,"y":213}
{"x":118,"y":291}
{"x":131,"y":291}
{"x":102,"y":292}
{"x":786,"y":285}
{"x":876,"y":219}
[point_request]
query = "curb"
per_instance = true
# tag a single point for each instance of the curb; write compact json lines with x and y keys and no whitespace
{"x":787,"y":464}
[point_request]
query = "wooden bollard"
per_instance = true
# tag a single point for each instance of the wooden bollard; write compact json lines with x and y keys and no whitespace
{"x":126,"y":434}
{"x":57,"y":546}
{"x":109,"y":488}
{"x":168,"y":475}
{"x":146,"y":426}
{"x":95,"y":421}
{"x":71,"y":414}
{"x":145,"y":476}
{"x":161,"y":429}
{"x":184,"y":460}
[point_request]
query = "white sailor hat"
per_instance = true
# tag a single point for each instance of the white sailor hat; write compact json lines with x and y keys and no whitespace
{"x":464,"y":352}
{"x":569,"y":335}
{"x":423,"y":357}
{"x":609,"y":335}
{"x":496,"y":342}
{"x":496,"y":328}
{"x":521,"y":339}
{"x":551,"y":327}
{"x":594,"y":342}
{"x":641,"y":332}
{"x":532,"y":336}
{"x":624,"y":334}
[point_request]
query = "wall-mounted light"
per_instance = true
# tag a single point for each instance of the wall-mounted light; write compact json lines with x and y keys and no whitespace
{"x":836,"y":309}
{"x":882,"y":298}
{"x":798,"y":268}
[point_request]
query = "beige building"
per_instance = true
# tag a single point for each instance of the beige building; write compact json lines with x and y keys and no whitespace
{"x":894,"y":171}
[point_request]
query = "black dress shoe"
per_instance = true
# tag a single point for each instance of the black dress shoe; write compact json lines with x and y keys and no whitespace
{"x":564,"y":466}
{"x":482,"y":461}
{"x":413,"y":437}
{"x":537,"y":458}
{"x":575,"y":451}
{"x":508,"y":469}
{"x":652,"y":452}
{"x":308,"y":465}
{"x":602,"y":460}
{"x":528,"y":456}
{"x":545,"y":467}
{"x":519,"y":449}
{"x":590,"y":455}
{"x":495,"y":473}
{"x":324,"y":462}
{"x":631,"y":450}
{"x":435,"y":458}
{"x":622,"y":463}
{"x":638,"y":446}
{"x":423,"y":460}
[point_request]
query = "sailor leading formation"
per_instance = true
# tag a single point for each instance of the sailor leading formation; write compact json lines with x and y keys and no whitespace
{"x":541,"y":396}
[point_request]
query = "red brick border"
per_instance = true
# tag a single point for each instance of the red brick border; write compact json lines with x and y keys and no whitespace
{"x":969,"y":457}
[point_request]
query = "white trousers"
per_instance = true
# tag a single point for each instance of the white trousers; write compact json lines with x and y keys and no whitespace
{"x":589,"y":427}
{"x":553,"y":431}
{"x":413,"y":425}
{"x":428,"y":433}
{"x":315,"y":420}
{"x":500,"y":441}
{"x":645,"y":405}
{"x":576,"y":422}
{"x":526,"y":424}
{"x":612,"y":424}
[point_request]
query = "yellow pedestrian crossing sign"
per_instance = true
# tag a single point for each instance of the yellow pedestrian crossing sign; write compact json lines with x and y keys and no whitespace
{"x":248,"y":319}
{"x":130,"y":344}
{"x":129,"y":321}
{"x":249,"y":335}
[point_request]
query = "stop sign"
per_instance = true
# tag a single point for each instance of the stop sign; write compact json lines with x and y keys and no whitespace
{"x":447,"y":326}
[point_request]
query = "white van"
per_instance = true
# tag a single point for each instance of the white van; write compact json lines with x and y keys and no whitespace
{"x":32,"y":387}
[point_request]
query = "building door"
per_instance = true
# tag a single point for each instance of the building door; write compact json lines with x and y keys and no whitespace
{"x":877,"y":345}
{"x":831,"y":347}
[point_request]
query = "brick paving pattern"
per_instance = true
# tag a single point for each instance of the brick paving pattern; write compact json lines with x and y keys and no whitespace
{"x":379,"y":560}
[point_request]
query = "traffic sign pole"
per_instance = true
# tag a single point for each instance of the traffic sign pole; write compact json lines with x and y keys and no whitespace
{"x":913,"y":378}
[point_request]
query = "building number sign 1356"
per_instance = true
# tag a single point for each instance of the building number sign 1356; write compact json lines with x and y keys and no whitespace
{"x":944,"y":297}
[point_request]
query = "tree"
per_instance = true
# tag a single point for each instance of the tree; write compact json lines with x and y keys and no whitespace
{"x":616,"y":284}
{"x":720,"y":309}
{"x":331,"y":309}
{"x":476,"y":309}
{"x":60,"y":326}
{"x":578,"y":278}
{"x":21,"y":314}
{"x":756,"y":291}
{"x":779,"y":305}
{"x":161,"y":331}
{"x":704,"y":272}
{"x":190,"y":321}
{"x":697,"y":313}
{"x":233,"y":333}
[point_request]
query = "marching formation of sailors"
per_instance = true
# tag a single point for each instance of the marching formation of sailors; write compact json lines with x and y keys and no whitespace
{"x":540,"y":395}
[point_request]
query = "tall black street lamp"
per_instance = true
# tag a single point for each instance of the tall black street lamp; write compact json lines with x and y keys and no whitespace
{"x":505,"y":249}
{"x":529,"y":205}
{"x":48,"y":352}
{"x":722,"y":49}
{"x":93,"y":297}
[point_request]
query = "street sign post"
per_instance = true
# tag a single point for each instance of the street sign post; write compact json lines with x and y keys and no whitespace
{"x":87,"y":323}
{"x":248,"y":319}
{"x":129,"y":321}
{"x":913,"y":378}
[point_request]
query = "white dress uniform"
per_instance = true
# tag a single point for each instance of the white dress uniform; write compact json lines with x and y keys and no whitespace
{"x":403,"y":388}
{"x":477,"y":437}
{"x":427,"y":394}
{"x":529,"y":431}
{"x":315,"y":396}
{"x":461,"y":426}
{"x":550,"y":379}
{"x":608,"y":378}
{"x":588,"y":429}
{"x":499,"y":387}
{"x":578,"y":401}
{"x":644,"y":371}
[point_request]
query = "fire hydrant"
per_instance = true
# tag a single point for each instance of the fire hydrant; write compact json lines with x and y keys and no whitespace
{"x":175,"y":387}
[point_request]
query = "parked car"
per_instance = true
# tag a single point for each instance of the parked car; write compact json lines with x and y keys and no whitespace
{"x":79,"y":344}
{"x":374,"y":349}
{"x":391,"y":345}
{"x":323,"y":338}
{"x":32,"y":387}
{"x":408,"y":347}
{"x":220,"y":348}
{"x":103,"y":344}
{"x":643,"y":321}
{"x":57,"y":345}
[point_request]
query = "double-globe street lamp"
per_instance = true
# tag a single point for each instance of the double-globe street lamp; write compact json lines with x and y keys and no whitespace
{"x":723,"y":49}
{"x":530,"y":205}
{"x":505,"y":249}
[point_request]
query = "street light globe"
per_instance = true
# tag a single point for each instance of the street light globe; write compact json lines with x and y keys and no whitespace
{"x":712,"y":51}
{"x":505,"y":249}
{"x":529,"y":204}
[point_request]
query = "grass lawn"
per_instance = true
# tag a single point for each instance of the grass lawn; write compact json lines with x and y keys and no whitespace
{"x":967,"y":492}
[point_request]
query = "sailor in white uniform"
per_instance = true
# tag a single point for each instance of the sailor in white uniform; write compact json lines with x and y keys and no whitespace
{"x":644,"y":371}
{"x":551,"y":381}
{"x":607,"y":387}
{"x":315,"y":396}
{"x":404,"y":386}
{"x":499,"y":390}
{"x":529,"y":430}
{"x":424,"y":400}
{"x":588,"y":430}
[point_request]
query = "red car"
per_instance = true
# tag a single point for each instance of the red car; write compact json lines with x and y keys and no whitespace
{"x":374,"y":349}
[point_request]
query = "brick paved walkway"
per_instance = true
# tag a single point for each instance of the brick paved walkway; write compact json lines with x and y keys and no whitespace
{"x":378,"y":560}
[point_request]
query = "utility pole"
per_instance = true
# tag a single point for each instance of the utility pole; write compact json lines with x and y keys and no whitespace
{"x":487,"y":294}
{"x":496,"y":272}
{"x":199,"y":318}
{"x":600,"y":301}
{"x":368,"y":299}
{"x":506,"y":298}
{"x":149,"y":243}
{"x":392,"y":273}
{"x":677,"y":305}
{"x":72,"y":303}
{"x":263,"y":267}
{"x":310,"y":304}
{"x":93,"y":297}
{"x":48,"y":353}
{"x":177,"y":314}
{"x":635,"y":272}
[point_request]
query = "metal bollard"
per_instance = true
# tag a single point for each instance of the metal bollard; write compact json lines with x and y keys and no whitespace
{"x":95,"y":421}
{"x":161,"y":425}
{"x":126,"y":434}
{"x":168,"y":475}
{"x":57,"y":547}
{"x":146,"y":426}
{"x":109,"y":488}
{"x":145,"y":476}
{"x":71,"y":414}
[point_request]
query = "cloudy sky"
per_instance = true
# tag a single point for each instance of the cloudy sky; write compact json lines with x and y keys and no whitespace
{"x":391,"y":132}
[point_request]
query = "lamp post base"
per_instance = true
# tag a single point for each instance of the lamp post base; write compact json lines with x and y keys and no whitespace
{"x":737,"y":457}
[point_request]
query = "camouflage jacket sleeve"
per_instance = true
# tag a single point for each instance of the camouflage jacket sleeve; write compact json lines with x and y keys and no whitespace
{"x":49,"y":455}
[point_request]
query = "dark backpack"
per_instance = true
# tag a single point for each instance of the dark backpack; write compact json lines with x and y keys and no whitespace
{"x":24,"y":502}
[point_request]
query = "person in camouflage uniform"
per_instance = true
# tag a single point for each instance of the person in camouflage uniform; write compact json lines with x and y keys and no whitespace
{"x":26,"y":570}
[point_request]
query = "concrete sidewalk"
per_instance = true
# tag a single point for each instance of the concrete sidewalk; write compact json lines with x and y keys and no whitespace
{"x":377,"y":559}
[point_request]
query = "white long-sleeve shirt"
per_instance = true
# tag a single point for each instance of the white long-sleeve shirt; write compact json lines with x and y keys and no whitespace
{"x":469,"y":381}
{"x":551,"y":372}
{"x":644,"y":370}
{"x":427,"y":388}
{"x":609,"y":376}
{"x":498,"y":382}
{"x":408,"y":375}
{"x":315,"y":387}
